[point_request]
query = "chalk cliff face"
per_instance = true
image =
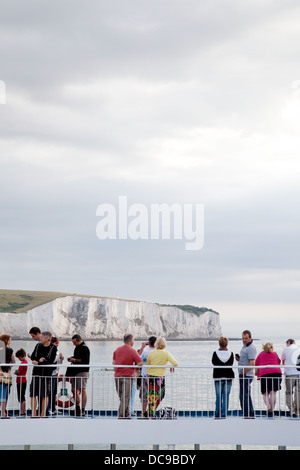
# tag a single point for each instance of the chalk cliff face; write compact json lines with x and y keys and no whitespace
{"x":106,"y":318}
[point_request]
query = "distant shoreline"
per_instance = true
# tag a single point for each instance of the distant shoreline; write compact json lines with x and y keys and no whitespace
{"x":136,"y":339}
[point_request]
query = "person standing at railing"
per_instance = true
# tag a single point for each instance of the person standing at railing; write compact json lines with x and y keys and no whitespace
{"x":156,"y":375}
{"x":136,"y":380}
{"x":270,"y":378}
{"x":5,"y":383}
{"x":51,"y":408}
{"x":79,"y":375}
{"x":21,"y":380}
{"x":125,"y":356}
{"x":222,"y":375}
{"x":149,"y":346}
{"x":292,"y":385}
{"x":246,"y":361}
{"x":44,"y":354}
{"x":35,"y":334}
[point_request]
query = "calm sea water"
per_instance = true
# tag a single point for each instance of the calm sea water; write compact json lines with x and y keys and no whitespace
{"x":186,"y":352}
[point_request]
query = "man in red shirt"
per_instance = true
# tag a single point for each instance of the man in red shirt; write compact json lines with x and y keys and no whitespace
{"x":125,"y":356}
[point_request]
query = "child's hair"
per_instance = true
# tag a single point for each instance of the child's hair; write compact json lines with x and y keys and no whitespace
{"x":21,"y":353}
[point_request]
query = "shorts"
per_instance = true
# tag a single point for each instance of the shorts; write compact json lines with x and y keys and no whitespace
{"x":40,"y":386}
{"x":21,"y":390}
{"x":143,"y":394}
{"x":79,"y":381}
{"x":270,"y":383}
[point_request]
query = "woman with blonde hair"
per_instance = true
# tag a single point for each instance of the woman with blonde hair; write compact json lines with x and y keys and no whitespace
{"x":156,"y":375}
{"x":270,"y":377}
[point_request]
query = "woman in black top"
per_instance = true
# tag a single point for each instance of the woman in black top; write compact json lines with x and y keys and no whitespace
{"x":222,"y":377}
{"x":9,"y":359}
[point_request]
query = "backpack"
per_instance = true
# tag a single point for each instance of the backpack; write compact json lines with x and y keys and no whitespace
{"x":167,"y":413}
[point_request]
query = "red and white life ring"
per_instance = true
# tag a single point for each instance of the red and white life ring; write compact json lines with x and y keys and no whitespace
{"x":64,"y":397}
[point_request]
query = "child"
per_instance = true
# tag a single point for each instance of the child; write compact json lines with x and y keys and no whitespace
{"x":21,"y":380}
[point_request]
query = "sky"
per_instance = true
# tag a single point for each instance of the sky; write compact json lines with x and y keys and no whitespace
{"x":164,"y":102}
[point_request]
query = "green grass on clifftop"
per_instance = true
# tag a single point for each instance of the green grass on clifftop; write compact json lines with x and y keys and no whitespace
{"x":17,"y":301}
{"x":192,"y":309}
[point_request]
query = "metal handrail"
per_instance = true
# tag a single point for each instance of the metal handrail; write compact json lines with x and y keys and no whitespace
{"x":180,"y":366}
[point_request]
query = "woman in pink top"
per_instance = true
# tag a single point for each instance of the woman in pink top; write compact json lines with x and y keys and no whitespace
{"x":270,"y":377}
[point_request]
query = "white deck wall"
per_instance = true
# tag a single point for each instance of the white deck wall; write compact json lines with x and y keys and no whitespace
{"x":235,"y":431}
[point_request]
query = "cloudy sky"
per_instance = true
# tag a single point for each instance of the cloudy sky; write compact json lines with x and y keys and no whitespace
{"x":188,"y":102}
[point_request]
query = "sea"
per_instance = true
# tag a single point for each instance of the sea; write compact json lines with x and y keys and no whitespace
{"x":186,"y":353}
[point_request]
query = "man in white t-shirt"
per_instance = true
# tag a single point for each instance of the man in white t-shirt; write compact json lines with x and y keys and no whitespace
{"x":292,"y":386}
{"x":143,"y":385}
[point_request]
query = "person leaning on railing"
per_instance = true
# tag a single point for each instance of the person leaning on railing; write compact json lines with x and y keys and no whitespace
{"x":156,"y":376}
{"x":125,"y":356}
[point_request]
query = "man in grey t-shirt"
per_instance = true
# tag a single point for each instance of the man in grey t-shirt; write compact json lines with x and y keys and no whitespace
{"x":246,"y":373}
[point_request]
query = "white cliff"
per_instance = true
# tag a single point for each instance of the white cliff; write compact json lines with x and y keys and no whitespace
{"x":107,"y":318}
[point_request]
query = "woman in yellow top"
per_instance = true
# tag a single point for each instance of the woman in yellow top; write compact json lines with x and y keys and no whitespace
{"x":156,"y":375}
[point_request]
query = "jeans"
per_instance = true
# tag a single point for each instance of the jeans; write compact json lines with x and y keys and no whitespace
{"x":222,"y":388}
{"x":245,"y":396}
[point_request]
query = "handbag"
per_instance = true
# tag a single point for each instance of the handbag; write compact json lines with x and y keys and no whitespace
{"x":5,"y":378}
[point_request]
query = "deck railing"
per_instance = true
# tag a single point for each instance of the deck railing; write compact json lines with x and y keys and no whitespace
{"x":188,"y":392}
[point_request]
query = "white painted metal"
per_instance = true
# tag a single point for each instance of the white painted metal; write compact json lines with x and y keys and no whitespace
{"x":39,"y":431}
